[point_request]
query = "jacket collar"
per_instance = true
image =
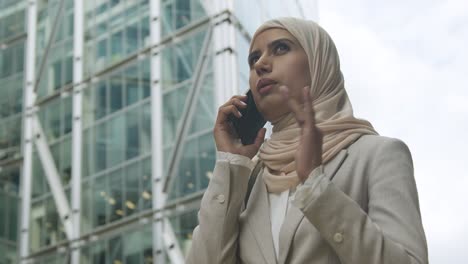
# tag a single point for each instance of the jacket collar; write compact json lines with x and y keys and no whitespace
{"x":295,"y":216}
{"x":259,"y":219}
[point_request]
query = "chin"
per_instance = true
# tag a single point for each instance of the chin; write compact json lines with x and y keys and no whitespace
{"x":272,"y":112}
{"x":271,"y":106}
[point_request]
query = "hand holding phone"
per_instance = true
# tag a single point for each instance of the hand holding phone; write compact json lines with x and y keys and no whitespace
{"x":250,"y":123}
{"x":229,"y":120}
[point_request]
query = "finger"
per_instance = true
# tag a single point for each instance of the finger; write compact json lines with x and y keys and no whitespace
{"x":293,"y":105}
{"x":260,"y":138}
{"x":308,"y":107}
{"x":224,"y":111}
{"x":238,"y":100}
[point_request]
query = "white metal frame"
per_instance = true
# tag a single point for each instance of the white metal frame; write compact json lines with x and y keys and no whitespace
{"x":225,"y":62}
{"x":156,"y":132}
{"x":77,"y":130}
{"x":29,"y":98}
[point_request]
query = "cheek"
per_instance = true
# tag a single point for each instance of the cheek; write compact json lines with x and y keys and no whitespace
{"x":297,"y":74}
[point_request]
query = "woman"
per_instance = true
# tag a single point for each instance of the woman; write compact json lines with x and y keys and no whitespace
{"x":329,"y":189}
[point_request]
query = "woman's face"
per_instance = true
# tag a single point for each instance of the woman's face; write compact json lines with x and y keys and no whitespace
{"x":277,"y":59}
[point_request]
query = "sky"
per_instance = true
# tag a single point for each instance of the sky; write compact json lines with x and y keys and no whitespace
{"x":404,"y":64}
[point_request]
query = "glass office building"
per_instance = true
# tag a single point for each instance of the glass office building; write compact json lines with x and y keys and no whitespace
{"x":106,"y":116}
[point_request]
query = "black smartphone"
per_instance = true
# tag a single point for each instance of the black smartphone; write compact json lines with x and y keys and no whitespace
{"x":250,"y":123}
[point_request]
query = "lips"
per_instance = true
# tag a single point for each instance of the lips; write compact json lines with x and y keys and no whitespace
{"x":264,"y":85}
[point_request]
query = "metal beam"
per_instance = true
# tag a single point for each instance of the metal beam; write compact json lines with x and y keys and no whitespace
{"x":158,"y":198}
{"x":171,"y":244}
{"x":77,"y":130}
{"x":29,"y":98}
{"x":52,"y":176}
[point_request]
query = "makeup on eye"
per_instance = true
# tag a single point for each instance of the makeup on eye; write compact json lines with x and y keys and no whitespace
{"x":277,"y":47}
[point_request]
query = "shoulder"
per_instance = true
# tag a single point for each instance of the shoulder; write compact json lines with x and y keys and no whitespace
{"x":374,"y":147}
{"x":377,"y":143}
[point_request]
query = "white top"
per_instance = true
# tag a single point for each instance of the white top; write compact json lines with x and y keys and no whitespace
{"x":279,"y":202}
{"x":278,"y":209}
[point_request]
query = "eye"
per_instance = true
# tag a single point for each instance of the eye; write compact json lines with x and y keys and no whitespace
{"x":281,"y":48}
{"x":253,"y":59}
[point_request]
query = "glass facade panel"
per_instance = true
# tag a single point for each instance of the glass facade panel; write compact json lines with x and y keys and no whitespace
{"x":113,"y":30}
{"x":54,"y":69}
{"x":183,"y":226}
{"x":13,"y":23}
{"x":179,"y":13}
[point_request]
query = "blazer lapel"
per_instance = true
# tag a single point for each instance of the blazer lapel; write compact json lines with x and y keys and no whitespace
{"x":333,"y":165}
{"x":287,"y":231}
{"x":259,"y":219}
{"x":295,"y":216}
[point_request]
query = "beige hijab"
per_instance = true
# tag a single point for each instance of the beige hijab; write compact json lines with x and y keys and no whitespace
{"x":333,"y":110}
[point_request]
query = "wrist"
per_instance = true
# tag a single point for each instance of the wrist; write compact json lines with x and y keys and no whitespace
{"x":313,"y":172}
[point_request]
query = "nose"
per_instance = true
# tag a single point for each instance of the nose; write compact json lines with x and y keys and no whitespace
{"x":262,"y":66}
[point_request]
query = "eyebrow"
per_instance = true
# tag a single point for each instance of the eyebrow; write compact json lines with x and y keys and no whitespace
{"x":270,"y":45}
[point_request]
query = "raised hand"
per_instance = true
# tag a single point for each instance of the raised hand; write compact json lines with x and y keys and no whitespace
{"x":225,"y":136}
{"x":309,"y":153}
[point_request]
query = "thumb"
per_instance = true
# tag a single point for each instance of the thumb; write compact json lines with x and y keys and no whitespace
{"x":260,"y":138}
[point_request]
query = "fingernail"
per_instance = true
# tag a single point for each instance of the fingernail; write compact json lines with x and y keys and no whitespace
{"x":243,"y":103}
{"x":240,"y":114}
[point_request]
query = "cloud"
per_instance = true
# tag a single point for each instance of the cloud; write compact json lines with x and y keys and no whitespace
{"x":405,"y":70}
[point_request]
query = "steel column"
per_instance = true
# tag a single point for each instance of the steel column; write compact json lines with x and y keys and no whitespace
{"x":77,"y":131}
{"x":29,"y":98}
{"x":159,"y":197}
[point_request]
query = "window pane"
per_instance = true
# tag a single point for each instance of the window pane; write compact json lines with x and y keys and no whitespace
{"x":167,"y":17}
{"x":101,"y":99}
{"x":116,"y":95}
{"x":101,"y":142}
{"x":100,"y":204}
{"x":187,"y":171}
{"x":115,"y":250}
{"x":146,"y":79}
{"x":182,"y":13}
{"x":101,"y":54}
{"x":207,"y":158}
{"x":145,"y":136}
{"x":57,"y":73}
{"x":132,"y":247}
{"x":131,"y":37}
{"x":146,"y":191}
{"x":115,"y":140}
{"x":116,"y":46}
{"x":132,"y":175}
{"x":98,"y":252}
{"x":183,"y":226}
{"x":88,"y":148}
{"x":133,"y":139}
{"x":86,"y":210}
{"x":52,"y":128}
{"x":3,"y":219}
{"x":131,"y":85}
{"x":65,"y":166}
{"x":145,"y":31}
{"x":67,"y":114}
{"x":68,"y":70}
{"x":116,"y":195}
{"x":173,"y":106}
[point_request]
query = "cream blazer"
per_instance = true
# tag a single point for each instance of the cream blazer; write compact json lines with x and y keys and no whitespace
{"x":367,"y":214}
